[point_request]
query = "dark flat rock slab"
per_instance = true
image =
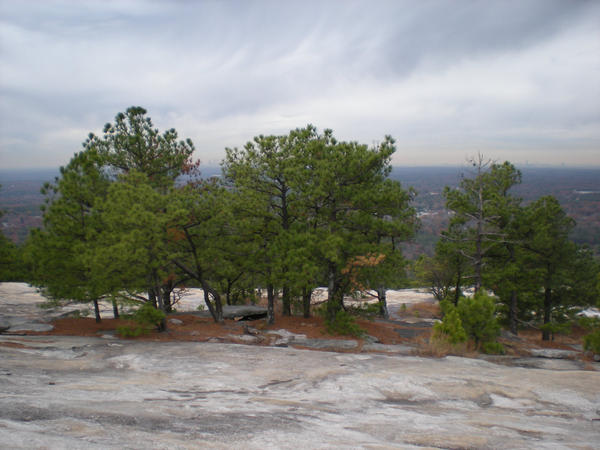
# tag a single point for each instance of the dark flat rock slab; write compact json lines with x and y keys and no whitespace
{"x":241,"y":312}
{"x":395,"y":349}
{"x":553,"y":353}
{"x":4,"y":326}
{"x":410,"y":333}
{"x":548,"y":364}
{"x":326,"y":344}
{"x":30,"y":327}
{"x":407,"y":324}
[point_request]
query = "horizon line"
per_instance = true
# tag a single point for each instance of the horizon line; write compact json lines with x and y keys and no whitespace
{"x":442,"y":166}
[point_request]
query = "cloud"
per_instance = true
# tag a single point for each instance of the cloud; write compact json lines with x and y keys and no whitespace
{"x":442,"y":77}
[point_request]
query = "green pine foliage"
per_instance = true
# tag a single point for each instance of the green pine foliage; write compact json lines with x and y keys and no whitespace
{"x":147,"y":317}
{"x":591,"y":342}
{"x":478,"y":315}
{"x":344,"y":324}
{"x":128,"y":218}
{"x":12,"y":265}
{"x":450,"y":328}
{"x":473,"y":319}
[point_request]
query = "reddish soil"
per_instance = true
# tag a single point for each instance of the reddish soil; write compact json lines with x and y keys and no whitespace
{"x":202,"y":329}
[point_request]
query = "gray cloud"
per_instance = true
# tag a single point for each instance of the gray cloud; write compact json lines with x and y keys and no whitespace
{"x":444,"y":78}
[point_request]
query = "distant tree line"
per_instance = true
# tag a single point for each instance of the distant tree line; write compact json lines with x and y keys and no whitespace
{"x":129,"y":219}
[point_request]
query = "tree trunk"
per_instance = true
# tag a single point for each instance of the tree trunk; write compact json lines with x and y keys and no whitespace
{"x":334,"y":300}
{"x":115,"y":309}
{"x":162,"y":326}
{"x":383,"y":309}
{"x":152,"y":297}
{"x":478,"y":255}
{"x":306,"y":296}
{"x":209,"y":305}
{"x":270,"y":304}
{"x":97,"y":311}
{"x":286,"y":301}
{"x":513,"y":312}
{"x":228,"y":293}
{"x":547,"y":311}
{"x":166,"y":299}
{"x":216,"y":311}
{"x":479,"y":236}
{"x":457,"y":290}
{"x":218,"y":305}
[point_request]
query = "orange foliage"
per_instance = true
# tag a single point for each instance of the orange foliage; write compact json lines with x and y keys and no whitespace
{"x":369,"y":260}
{"x":175,"y":234}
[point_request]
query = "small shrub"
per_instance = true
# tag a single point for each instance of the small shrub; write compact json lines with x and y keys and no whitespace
{"x":129,"y":332}
{"x":320,"y":310}
{"x":557,"y":328}
{"x":367,"y":310}
{"x":493,"y":348}
{"x":478,"y":316}
{"x":439,"y":348}
{"x":591,"y":342}
{"x":344,"y":324}
{"x":450,"y":328}
{"x":473,"y":319}
{"x":588,"y":323}
{"x":146,"y":317}
{"x":446,"y":306}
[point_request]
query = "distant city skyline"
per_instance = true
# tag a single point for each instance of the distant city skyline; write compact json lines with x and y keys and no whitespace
{"x":513,"y":80}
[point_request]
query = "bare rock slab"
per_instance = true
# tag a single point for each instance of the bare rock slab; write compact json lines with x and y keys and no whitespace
{"x":74,"y":392}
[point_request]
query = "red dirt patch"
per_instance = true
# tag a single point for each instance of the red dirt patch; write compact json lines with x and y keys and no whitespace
{"x":200,"y":329}
{"x":194,"y":328}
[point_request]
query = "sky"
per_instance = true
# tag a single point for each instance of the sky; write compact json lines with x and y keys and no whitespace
{"x":512,"y":80}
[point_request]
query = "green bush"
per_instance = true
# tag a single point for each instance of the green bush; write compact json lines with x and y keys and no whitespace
{"x":446,"y":306}
{"x":588,"y":323}
{"x":127,"y":331}
{"x":478,"y":316}
{"x":366,"y":310}
{"x":344,"y":324}
{"x":557,"y":328}
{"x":146,"y":317}
{"x":473,"y":319}
{"x":450,"y":328}
{"x":591,"y":342}
{"x":492,"y":348}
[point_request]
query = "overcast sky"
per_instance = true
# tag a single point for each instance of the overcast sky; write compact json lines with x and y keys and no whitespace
{"x":514,"y":80}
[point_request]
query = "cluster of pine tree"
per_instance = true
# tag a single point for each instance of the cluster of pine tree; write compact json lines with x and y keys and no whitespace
{"x":520,"y":252}
{"x":129,"y":219}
